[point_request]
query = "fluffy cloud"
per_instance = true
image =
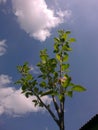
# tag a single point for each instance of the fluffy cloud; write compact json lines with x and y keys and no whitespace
{"x":4,"y":80}
{"x":36,"y":18}
{"x":2,"y":47}
{"x":13,"y":102}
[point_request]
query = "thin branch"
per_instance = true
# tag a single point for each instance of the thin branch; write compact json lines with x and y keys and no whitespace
{"x":48,"y":109}
{"x":56,"y":105}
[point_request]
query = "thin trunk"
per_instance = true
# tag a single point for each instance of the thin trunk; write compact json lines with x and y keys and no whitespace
{"x":61,"y":126}
{"x":61,"y":117}
{"x":62,"y":102}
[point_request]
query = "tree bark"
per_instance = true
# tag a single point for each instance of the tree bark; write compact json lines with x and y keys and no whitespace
{"x":62,"y":127}
{"x":61,"y":118}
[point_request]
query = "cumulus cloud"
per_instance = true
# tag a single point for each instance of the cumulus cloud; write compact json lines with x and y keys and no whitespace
{"x":4,"y":80}
{"x":36,"y":18}
{"x":2,"y":47}
{"x":13,"y":102}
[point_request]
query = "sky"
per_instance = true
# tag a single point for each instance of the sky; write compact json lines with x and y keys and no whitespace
{"x":26,"y":27}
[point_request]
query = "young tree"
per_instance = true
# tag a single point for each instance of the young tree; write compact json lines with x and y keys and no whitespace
{"x":53,"y":79}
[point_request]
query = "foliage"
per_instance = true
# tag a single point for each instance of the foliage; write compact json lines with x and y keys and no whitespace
{"x":53,"y":79}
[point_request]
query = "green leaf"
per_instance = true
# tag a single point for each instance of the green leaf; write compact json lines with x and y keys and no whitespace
{"x":56,"y":48}
{"x":26,"y":68}
{"x":27,"y":94}
{"x":55,"y":74}
{"x":68,"y":32}
{"x":66,"y":48}
{"x":52,"y":63}
{"x":24,"y":87}
{"x":18,"y":82}
{"x":41,"y":104}
{"x":65,"y":58}
{"x":64,"y":37}
{"x":56,"y":40}
{"x":64,"y":67}
{"x":34,"y":82}
{"x":35,"y":102}
{"x":58,"y":57}
{"x":43,"y":84}
{"x":72,"y":40}
{"x":36,"y":90}
{"x":61,"y":97}
{"x":43,"y":55}
{"x":60,"y":32}
{"x":19,"y":68}
{"x":70,"y":93}
{"x":29,"y":77}
{"x":78,"y":88}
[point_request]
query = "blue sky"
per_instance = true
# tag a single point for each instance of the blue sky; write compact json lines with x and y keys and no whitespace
{"x":26,"y":27}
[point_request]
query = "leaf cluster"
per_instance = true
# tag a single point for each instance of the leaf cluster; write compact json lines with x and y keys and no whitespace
{"x":53,"y":79}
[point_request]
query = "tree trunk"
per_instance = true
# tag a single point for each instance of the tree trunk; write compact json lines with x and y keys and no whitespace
{"x":61,"y":125}
{"x":61,"y":116}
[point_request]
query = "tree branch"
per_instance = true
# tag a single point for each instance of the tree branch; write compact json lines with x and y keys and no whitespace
{"x":48,"y":109}
{"x":56,"y":105}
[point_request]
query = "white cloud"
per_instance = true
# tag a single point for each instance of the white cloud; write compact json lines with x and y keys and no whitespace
{"x":2,"y":47}
{"x":13,"y":102}
{"x":4,"y":80}
{"x":36,"y":18}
